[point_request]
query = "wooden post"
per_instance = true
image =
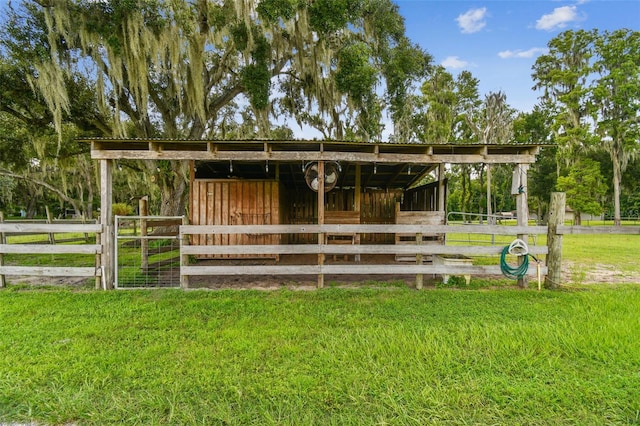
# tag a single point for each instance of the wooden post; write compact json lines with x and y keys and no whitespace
{"x":357,"y":197}
{"x":3,"y":240}
{"x":522,"y":207}
{"x":554,"y":240}
{"x":419,"y":277}
{"x":184,"y":258}
{"x":98,"y":261}
{"x":441,"y":189}
{"x":143,"y":207}
{"x":357,"y":201}
{"x":490,"y":220}
{"x":108,"y":261}
{"x":321,"y":235}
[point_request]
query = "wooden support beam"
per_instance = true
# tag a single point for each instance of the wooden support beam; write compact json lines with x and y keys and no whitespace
{"x":321,"y":235}
{"x":490,"y":220}
{"x":108,"y":261}
{"x":441,"y":189}
{"x":522,"y":208}
{"x":363,"y":157}
{"x":357,"y":201}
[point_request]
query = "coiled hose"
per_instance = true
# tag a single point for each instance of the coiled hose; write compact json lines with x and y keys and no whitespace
{"x":509,"y":271}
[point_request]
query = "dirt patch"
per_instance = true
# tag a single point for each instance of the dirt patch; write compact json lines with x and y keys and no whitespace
{"x":572,"y":273}
{"x":35,"y":281}
{"x":597,"y":274}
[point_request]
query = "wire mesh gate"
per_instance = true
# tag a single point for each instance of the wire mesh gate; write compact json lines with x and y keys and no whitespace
{"x":147,"y":251}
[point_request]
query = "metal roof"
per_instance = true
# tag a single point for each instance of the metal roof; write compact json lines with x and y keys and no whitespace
{"x":383,"y":164}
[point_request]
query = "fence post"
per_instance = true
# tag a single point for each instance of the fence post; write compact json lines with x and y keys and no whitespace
{"x":184,"y":258}
{"x":321,"y":235}
{"x":554,"y":240}
{"x":419,"y":277}
{"x":98,"y":262}
{"x":143,"y":205}
{"x":3,"y":240}
{"x":523,"y":211}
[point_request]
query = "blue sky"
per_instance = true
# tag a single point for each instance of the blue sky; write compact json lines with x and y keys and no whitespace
{"x":499,"y":41}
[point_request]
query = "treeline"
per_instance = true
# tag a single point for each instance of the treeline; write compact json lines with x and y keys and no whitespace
{"x":223,"y":70}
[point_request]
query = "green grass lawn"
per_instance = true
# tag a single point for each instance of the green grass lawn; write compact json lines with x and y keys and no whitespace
{"x":334,"y":356}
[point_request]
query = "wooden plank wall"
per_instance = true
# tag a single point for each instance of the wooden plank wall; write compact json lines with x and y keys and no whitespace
{"x":235,"y":202}
{"x":422,"y":198}
{"x":250,"y":202}
{"x":377,"y":207}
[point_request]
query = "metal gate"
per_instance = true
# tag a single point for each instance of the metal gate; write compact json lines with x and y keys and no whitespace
{"x":147,"y":251}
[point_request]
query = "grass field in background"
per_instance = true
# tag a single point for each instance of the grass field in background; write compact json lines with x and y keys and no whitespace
{"x":333,"y":356}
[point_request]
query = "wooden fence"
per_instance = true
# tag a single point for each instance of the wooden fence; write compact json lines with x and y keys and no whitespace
{"x":420,"y":250}
{"x":51,"y":246}
{"x":557,"y":229}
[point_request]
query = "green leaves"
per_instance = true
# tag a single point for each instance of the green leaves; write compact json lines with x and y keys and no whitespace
{"x":329,"y":16}
{"x":592,"y":83}
{"x":355,"y":75}
{"x":256,"y":79}
{"x":584,"y":186}
{"x":273,"y":11}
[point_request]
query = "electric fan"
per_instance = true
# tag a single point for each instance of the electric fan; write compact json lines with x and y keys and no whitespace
{"x":331,"y":171}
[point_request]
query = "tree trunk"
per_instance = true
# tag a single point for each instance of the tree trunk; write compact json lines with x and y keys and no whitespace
{"x":174,"y":190}
{"x":172,"y":180}
{"x":31,"y":207}
{"x":617,"y":219}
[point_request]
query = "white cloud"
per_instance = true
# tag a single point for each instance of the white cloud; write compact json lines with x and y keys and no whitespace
{"x":472,"y":21}
{"x":453,"y":62}
{"x":534,"y":51}
{"x":559,"y":18}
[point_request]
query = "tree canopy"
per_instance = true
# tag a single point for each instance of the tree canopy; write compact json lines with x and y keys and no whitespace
{"x":173,"y":68}
{"x":591,"y":84}
{"x":250,"y":69}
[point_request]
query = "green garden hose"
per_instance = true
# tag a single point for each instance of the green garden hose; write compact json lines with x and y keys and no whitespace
{"x":510,"y":272}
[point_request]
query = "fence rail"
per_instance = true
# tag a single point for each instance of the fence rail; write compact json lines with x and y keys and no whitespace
{"x":51,"y":246}
{"x":403,"y":258}
{"x":603,"y":230}
{"x":455,"y":257}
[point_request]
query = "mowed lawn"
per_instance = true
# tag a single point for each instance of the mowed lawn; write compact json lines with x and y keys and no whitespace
{"x":387,"y":355}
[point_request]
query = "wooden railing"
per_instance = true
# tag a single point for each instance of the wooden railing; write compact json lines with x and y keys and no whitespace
{"x":13,"y":229}
{"x":419,"y":250}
